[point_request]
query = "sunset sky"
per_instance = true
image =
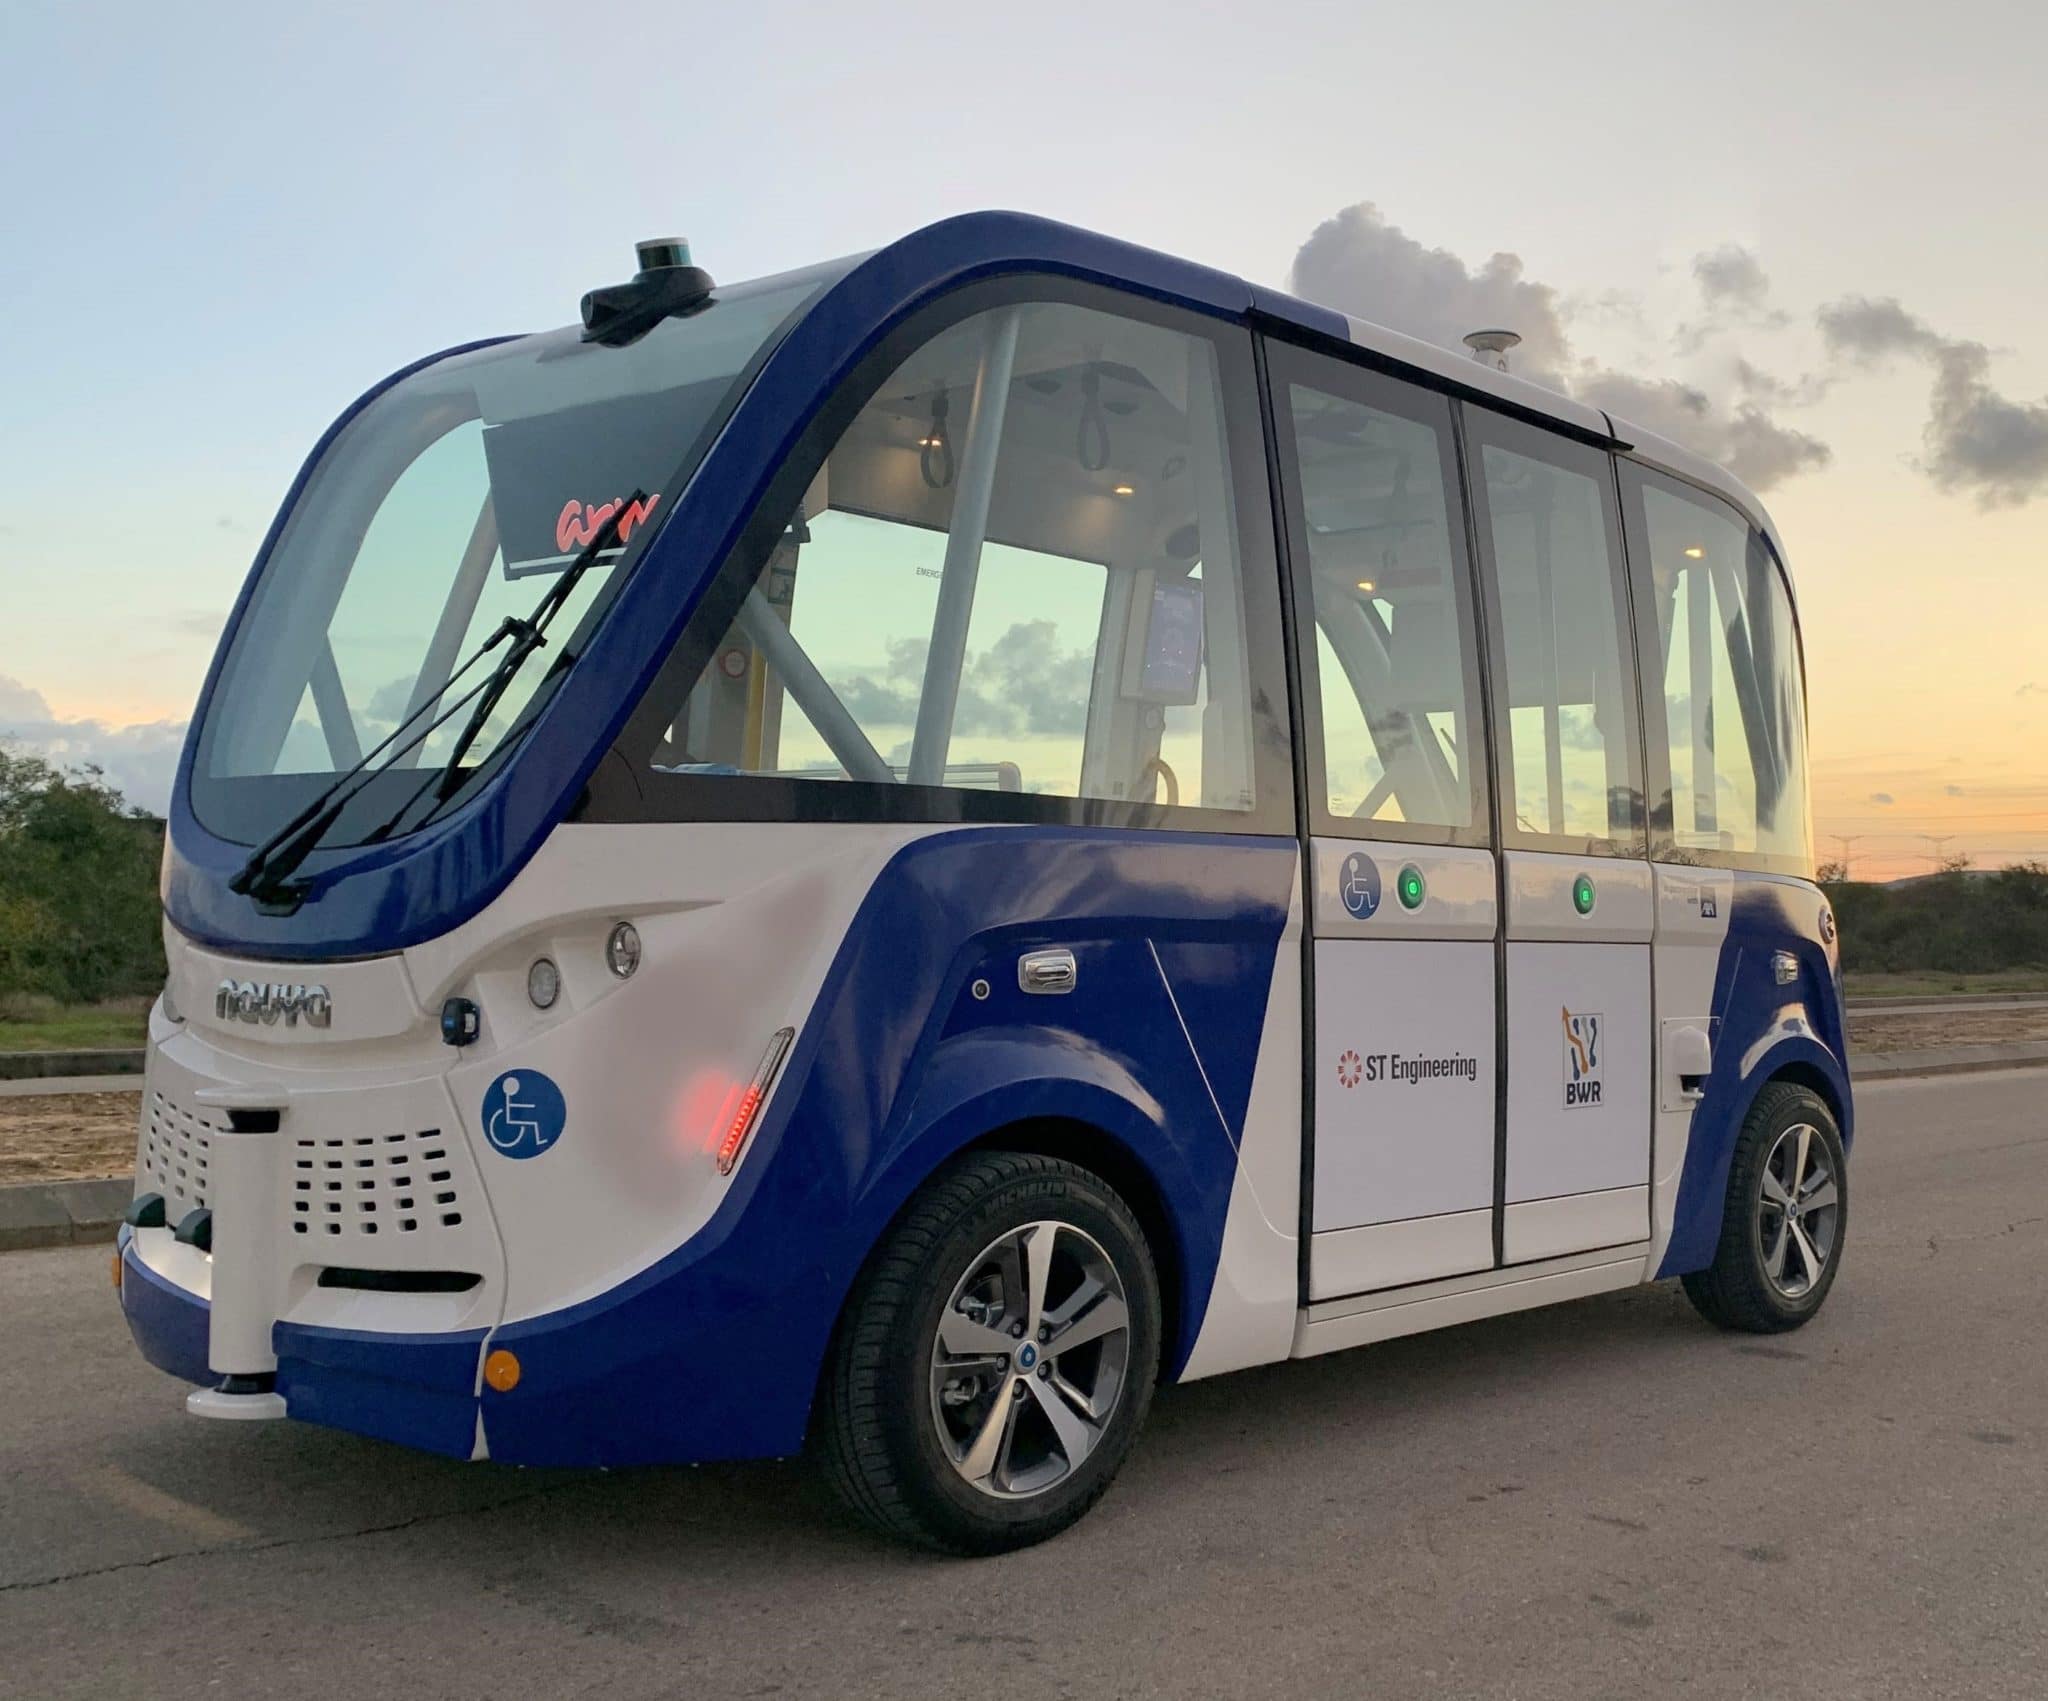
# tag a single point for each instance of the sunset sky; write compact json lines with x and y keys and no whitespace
{"x":1805,"y":238}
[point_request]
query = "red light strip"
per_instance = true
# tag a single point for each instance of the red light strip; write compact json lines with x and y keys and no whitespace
{"x":750,"y":1101}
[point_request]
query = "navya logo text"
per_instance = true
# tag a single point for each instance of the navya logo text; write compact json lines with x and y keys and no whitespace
{"x":1582,"y":1059}
{"x":524,"y":1113}
{"x":269,"y":1002}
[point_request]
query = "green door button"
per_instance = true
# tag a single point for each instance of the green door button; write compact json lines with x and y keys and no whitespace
{"x":1582,"y":894}
{"x":1410,"y":887}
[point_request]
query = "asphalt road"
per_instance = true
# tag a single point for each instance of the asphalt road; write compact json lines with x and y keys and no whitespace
{"x":1607,"y":1499}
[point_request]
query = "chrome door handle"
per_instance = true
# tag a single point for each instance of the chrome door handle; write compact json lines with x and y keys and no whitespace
{"x":1047,"y":971}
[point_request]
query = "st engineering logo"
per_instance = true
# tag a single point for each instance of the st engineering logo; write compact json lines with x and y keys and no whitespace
{"x":1377,"y":1066}
{"x":1582,"y":1058}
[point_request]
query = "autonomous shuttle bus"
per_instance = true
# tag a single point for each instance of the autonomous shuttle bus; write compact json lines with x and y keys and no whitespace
{"x":884,"y":859}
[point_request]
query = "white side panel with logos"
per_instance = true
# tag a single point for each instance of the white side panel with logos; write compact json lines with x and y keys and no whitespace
{"x":1580,"y":1054}
{"x":1404,"y":1063}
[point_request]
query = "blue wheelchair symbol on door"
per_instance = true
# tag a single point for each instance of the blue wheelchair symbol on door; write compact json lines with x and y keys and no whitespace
{"x":1358,"y":884}
{"x":524,"y":1113}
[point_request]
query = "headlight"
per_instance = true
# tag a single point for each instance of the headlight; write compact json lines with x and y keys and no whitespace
{"x":170,"y":1003}
{"x":622,"y":950}
{"x":543,"y":983}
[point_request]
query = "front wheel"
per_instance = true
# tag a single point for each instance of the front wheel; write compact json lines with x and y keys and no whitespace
{"x":996,"y":1360}
{"x":1784,"y":1218}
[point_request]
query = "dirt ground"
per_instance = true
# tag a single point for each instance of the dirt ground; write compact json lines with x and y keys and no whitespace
{"x":1983,"y":1024}
{"x":69,"y":1136}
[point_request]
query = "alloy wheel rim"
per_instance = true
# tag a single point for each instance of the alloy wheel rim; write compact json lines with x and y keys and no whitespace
{"x":1798,"y":1211}
{"x":1029,"y":1365}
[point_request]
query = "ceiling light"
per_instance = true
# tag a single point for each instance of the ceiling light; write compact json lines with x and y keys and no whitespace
{"x":1367,"y":585}
{"x":1693,"y":552}
{"x":1126,"y":490}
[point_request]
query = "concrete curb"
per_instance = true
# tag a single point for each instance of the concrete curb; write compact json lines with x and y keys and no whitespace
{"x":1945,"y":1060}
{"x":34,"y":1065}
{"x":56,"y":1086}
{"x":62,"y":1213}
{"x":1875,"y":1003}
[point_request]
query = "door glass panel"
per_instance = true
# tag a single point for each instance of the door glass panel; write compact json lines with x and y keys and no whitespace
{"x":1568,"y":760}
{"x":1379,"y":529}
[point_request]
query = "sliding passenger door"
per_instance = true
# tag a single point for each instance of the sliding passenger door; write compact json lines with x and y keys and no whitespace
{"x":1402,"y":877}
{"x":1577,"y":886}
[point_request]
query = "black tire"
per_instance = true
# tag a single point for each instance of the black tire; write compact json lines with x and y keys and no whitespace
{"x":879,"y":1428}
{"x":1738,"y":1290}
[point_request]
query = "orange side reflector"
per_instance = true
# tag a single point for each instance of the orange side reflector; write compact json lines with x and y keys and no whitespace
{"x":750,"y":1101}
{"x":501,"y":1371}
{"x":117,"y":1272}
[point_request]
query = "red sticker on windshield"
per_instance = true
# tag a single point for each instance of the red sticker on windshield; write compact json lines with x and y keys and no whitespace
{"x":579,"y":522}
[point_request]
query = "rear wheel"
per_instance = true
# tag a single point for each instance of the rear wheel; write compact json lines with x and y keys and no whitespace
{"x":1783,"y":1221}
{"x":996,"y":1360}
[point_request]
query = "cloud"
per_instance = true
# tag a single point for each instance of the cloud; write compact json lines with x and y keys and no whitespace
{"x":140,"y":760}
{"x":1359,"y":263}
{"x":1977,"y":440}
{"x":1022,"y":684}
{"x":1731,"y":276}
{"x":1743,"y":438}
{"x":1882,"y":797}
{"x":1954,"y":791}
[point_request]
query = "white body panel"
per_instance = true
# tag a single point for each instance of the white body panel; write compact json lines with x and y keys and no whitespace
{"x":1693,"y":907}
{"x":1404,"y":1075}
{"x":1465,"y":1299}
{"x":1404,"y":1066}
{"x":1385,"y":1255}
{"x":1579,"y":1027}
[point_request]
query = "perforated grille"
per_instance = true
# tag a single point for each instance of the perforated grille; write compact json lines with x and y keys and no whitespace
{"x":177,"y":1151}
{"x":374,"y":1184}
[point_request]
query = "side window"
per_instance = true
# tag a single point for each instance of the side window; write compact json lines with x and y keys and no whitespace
{"x":1018,"y":570}
{"x":1568,"y":754}
{"x":1371,"y":475}
{"x":1714,"y":612}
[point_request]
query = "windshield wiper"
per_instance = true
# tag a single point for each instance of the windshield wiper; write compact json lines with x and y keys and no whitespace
{"x":272,"y":862}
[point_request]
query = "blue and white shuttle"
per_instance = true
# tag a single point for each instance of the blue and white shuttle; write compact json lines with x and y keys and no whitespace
{"x":882,"y":860}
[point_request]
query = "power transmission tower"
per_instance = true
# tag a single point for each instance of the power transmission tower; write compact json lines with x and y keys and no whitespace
{"x":1845,"y":840}
{"x":1940,"y":842}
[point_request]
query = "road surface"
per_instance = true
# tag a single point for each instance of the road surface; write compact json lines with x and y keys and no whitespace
{"x":1608,"y":1499}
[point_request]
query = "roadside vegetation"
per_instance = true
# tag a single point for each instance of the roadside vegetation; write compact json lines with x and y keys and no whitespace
{"x":1956,"y":931}
{"x":81,"y":951}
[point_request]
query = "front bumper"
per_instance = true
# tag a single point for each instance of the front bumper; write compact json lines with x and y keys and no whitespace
{"x":416,"y":1390}
{"x":169,"y":1323}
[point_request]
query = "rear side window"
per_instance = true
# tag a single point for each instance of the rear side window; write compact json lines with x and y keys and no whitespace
{"x":1568,"y":752}
{"x":1019,"y":572}
{"x":1721,"y":661}
{"x":1394,"y":736}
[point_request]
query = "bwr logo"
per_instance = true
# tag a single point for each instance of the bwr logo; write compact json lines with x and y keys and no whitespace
{"x":1582,"y":1058}
{"x":579,"y":522}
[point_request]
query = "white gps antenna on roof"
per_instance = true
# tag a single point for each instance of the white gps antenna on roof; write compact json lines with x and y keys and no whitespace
{"x":1490,"y":348}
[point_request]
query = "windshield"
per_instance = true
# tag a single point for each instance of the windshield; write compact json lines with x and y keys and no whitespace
{"x":448,"y":505}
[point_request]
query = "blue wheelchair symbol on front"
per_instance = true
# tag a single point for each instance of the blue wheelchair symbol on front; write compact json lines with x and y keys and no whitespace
{"x":524,"y":1113}
{"x":1358,"y":884}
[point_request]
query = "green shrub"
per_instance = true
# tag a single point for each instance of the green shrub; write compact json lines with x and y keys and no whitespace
{"x":79,"y":919}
